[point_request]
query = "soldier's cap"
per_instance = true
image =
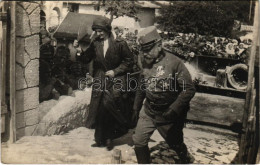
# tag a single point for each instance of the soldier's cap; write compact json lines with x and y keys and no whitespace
{"x":102,"y":23}
{"x":148,"y":37}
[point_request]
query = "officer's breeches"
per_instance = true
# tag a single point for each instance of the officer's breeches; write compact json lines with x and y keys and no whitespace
{"x":171,"y":131}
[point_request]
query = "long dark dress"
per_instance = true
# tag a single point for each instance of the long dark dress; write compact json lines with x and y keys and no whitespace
{"x":119,"y":59}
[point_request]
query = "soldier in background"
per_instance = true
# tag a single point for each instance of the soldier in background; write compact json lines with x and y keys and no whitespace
{"x":47,"y":82}
{"x":54,"y":69}
{"x":76,"y":73}
{"x":46,"y":49}
{"x":61,"y":70}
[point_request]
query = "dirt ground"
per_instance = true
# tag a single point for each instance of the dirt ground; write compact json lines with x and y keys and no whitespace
{"x":208,"y":145}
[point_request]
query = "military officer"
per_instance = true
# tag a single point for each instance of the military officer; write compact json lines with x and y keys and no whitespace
{"x":162,"y":99}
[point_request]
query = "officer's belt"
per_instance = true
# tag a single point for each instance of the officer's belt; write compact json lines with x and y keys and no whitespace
{"x":158,"y":106}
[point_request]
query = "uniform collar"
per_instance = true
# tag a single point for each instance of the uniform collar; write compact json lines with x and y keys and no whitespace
{"x":160,"y":57}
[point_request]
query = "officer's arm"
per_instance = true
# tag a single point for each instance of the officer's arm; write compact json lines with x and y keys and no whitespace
{"x":87,"y":55}
{"x":139,"y":96}
{"x":127,"y":59}
{"x":187,"y":90}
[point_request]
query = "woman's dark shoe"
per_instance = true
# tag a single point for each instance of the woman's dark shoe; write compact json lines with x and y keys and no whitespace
{"x":98,"y":145}
{"x":109,"y":144}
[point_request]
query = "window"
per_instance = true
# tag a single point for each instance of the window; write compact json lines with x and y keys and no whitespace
{"x":74,"y":8}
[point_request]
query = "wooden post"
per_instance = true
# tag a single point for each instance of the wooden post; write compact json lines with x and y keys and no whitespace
{"x":250,"y":10}
{"x":3,"y":57}
{"x":242,"y":155}
{"x":3,"y":19}
{"x":116,"y":156}
{"x":3,"y":77}
{"x":251,"y":64}
{"x":258,"y":156}
{"x":12,"y":73}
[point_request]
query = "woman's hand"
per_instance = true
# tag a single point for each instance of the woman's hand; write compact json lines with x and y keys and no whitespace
{"x":76,"y":44}
{"x":110,"y":74}
{"x":77,"y":47}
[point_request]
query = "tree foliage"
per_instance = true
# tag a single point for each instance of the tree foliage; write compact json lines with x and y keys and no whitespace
{"x":118,"y":8}
{"x":203,"y":17}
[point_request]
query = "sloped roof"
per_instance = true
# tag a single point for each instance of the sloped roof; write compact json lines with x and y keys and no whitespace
{"x":152,"y":4}
{"x":75,"y":26}
{"x":82,"y":2}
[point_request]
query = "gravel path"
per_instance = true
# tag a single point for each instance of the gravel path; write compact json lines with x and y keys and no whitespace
{"x":208,"y":146}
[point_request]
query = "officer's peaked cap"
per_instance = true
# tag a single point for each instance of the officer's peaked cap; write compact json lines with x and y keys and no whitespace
{"x":148,"y":37}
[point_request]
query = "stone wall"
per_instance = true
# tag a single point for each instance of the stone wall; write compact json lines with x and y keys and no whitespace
{"x":53,"y":116}
{"x":27,"y":67}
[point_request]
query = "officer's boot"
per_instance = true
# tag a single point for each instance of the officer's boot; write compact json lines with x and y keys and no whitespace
{"x":183,"y":153}
{"x":142,"y":155}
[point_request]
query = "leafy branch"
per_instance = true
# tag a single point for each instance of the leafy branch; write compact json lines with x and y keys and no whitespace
{"x":118,"y":8}
{"x":203,"y":17}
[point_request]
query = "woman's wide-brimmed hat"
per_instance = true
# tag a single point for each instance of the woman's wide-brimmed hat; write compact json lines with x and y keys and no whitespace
{"x":102,"y":23}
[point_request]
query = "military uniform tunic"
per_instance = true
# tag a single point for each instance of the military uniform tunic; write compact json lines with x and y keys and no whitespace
{"x":167,"y":85}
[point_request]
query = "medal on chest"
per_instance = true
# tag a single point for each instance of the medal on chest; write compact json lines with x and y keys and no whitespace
{"x":160,"y":71}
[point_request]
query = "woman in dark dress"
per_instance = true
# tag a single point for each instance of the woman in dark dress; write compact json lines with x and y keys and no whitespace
{"x":112,"y":59}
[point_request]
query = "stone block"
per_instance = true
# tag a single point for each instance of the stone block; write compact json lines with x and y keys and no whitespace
{"x":45,"y":107}
{"x":31,"y":117}
{"x":19,"y":121}
{"x":20,"y":133}
{"x":27,"y":118}
{"x":231,"y":156}
{"x":32,"y":7}
{"x":32,"y":73}
{"x":26,"y":131}
{"x":20,"y":82}
{"x":203,"y":159}
{"x":214,"y":162}
{"x":65,"y":115}
{"x":22,"y":22}
{"x":32,"y":46}
{"x":27,"y":99}
{"x":223,"y":159}
{"x":21,"y":56}
{"x":29,"y":130}
{"x":157,"y":161}
{"x":41,"y":129}
{"x":35,"y":20}
{"x":25,"y":5}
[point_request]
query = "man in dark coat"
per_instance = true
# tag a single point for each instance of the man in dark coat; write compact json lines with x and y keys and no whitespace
{"x":47,"y":82}
{"x":166,"y":89}
{"x":112,"y":59}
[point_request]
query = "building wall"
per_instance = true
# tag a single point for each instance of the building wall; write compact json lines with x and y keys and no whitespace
{"x":146,"y":15}
{"x":89,"y":9}
{"x":121,"y":21}
{"x":54,"y":12}
{"x":27,"y":67}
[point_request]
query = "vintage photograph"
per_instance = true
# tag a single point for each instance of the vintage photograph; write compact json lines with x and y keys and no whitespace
{"x":129,"y":82}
